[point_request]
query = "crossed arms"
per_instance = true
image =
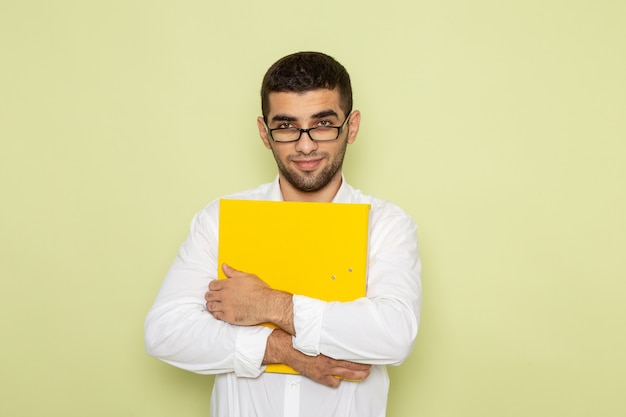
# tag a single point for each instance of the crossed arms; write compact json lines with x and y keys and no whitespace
{"x":319,"y":339}
{"x":244,"y":299}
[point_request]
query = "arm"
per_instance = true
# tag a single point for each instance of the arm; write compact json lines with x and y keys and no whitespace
{"x":379,"y":329}
{"x":178,"y":328}
{"x":319,"y":368}
{"x":244,"y":299}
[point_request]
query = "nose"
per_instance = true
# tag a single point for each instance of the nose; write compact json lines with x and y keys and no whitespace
{"x":306,"y":145}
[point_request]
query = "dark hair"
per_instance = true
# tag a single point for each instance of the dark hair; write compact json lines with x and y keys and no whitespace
{"x":306,"y":71}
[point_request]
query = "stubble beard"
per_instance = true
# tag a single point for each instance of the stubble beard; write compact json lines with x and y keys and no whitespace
{"x":310,"y":182}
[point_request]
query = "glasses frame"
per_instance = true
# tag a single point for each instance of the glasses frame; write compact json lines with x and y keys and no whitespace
{"x":301,"y":131}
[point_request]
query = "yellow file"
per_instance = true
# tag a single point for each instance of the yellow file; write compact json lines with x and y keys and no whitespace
{"x":314,"y":249}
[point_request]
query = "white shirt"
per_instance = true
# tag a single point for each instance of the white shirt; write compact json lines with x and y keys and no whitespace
{"x":378,"y":330}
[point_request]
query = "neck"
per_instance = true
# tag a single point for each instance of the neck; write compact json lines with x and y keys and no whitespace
{"x":325,"y":195}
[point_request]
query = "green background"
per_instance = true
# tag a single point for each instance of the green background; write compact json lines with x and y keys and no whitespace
{"x":498,"y":125}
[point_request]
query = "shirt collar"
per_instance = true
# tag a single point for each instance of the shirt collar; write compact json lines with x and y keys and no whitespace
{"x":344,"y":193}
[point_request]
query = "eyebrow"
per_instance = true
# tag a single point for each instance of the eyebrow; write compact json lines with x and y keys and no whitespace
{"x":325,"y":113}
{"x":283,"y":118}
{"x":319,"y":115}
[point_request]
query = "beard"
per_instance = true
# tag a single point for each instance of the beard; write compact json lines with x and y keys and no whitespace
{"x":310,"y":182}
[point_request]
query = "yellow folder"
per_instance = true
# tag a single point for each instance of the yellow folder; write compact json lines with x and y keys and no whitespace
{"x":313,"y":249}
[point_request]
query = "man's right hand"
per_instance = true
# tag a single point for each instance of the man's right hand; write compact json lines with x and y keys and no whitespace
{"x":321,"y":368}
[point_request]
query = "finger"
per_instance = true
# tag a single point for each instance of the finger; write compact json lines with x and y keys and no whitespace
{"x":351,"y":371}
{"x":350,"y":374}
{"x":216,"y":285}
{"x":214,"y":306}
{"x":212,"y":296}
{"x":331,"y":381}
{"x":230,"y":271}
{"x":218,"y":315}
{"x":353,"y":365}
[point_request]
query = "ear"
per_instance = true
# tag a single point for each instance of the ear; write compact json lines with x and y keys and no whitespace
{"x":263,"y":132}
{"x":353,"y":125}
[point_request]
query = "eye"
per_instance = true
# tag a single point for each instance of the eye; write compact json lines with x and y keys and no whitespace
{"x":284,"y":125}
{"x":324,"y":123}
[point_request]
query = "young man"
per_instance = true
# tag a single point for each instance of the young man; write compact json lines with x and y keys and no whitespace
{"x":340,"y":349}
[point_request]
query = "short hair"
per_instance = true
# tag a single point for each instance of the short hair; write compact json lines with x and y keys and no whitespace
{"x":306,"y":71}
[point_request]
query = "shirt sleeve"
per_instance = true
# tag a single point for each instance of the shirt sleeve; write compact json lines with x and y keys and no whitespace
{"x":379,"y":329}
{"x":179,"y":329}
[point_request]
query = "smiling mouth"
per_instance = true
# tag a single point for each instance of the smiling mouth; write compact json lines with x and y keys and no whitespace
{"x":307,"y":164}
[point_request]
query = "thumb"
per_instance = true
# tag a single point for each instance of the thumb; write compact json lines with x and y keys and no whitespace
{"x":229,"y":270}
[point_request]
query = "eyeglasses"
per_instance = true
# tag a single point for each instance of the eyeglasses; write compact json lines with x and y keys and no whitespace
{"x":317,"y":134}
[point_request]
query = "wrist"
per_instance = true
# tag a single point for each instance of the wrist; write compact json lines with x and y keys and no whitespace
{"x":280,"y":310}
{"x":279,"y":348}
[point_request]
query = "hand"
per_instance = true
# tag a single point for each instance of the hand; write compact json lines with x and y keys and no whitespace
{"x":331,"y":372}
{"x":244,"y":299}
{"x":236,"y":300}
{"x":321,"y":368}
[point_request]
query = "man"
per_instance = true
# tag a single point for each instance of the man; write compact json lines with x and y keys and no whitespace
{"x":340,"y":349}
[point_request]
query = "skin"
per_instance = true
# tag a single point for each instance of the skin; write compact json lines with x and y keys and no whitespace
{"x":307,"y":160}
{"x":307,"y":171}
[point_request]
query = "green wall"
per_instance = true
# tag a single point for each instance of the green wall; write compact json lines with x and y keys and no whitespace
{"x":498,"y":125}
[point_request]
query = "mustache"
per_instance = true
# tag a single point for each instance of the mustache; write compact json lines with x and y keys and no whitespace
{"x":303,"y":157}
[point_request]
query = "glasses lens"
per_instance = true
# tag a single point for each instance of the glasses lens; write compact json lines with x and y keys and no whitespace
{"x":317,"y":133}
{"x":285,"y":135}
{"x":324,"y":133}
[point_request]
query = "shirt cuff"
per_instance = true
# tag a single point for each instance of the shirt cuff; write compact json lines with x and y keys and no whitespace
{"x":307,"y":321}
{"x":250,"y":346}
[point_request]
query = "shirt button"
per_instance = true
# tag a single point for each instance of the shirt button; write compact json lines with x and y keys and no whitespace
{"x":294,"y":385}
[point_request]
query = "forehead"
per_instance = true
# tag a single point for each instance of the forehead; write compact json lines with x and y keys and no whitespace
{"x":302,"y":105}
